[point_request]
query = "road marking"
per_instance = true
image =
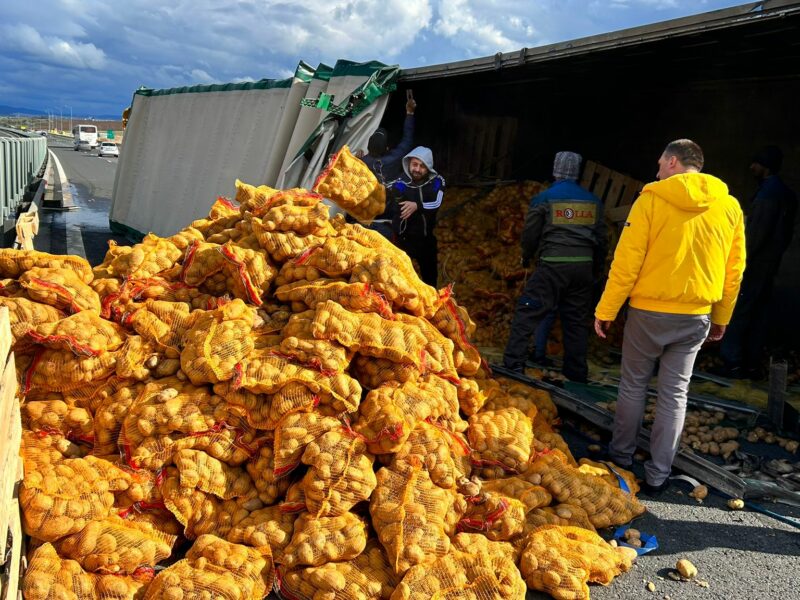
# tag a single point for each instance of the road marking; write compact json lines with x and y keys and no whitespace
{"x":74,"y":236}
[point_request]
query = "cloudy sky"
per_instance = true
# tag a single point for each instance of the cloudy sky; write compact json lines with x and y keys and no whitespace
{"x":92,"y":54}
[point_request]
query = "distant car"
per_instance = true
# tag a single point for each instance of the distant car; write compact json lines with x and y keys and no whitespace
{"x":42,"y":132}
{"x":82,"y":145}
{"x":107,"y":149}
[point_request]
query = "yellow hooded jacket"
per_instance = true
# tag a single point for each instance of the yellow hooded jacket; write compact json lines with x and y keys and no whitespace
{"x":681,"y":251}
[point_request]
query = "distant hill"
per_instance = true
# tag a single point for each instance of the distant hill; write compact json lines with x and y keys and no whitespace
{"x":6,"y":111}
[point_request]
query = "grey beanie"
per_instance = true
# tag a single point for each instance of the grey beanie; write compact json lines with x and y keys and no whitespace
{"x":567,"y":165}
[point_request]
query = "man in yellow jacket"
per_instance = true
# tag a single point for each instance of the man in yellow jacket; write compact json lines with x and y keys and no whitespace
{"x":680,"y":261}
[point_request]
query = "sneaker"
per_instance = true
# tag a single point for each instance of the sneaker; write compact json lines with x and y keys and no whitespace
{"x":654,"y":490}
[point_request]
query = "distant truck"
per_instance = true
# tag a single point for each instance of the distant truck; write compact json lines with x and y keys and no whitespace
{"x":84,"y":133}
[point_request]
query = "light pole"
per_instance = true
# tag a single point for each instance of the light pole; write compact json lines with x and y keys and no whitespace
{"x":61,"y":120}
{"x":70,"y":118}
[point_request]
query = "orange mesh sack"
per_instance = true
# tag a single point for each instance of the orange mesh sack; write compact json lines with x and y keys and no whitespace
{"x":256,"y":407}
{"x":290,"y":197}
{"x":165,"y":324}
{"x":390,"y":413}
{"x":296,"y":397}
{"x":438,"y":357}
{"x":13,"y":263}
{"x":319,"y":540}
{"x":251,"y":197}
{"x":109,"y":416}
{"x":408,"y":512}
{"x":25,"y":315}
{"x":248,"y":272}
{"x":286,"y":245}
{"x":217,"y":342}
{"x":498,"y":517}
{"x":367,"y":576}
{"x":444,"y":454}
{"x":454,"y":323}
{"x":562,"y":560}
{"x":350,"y":183}
{"x":202,"y":260}
{"x":60,"y":288}
{"x":355,"y":297}
{"x":57,"y":416}
{"x":532,"y":496}
{"x":150,"y":257}
{"x":298,"y":218}
{"x":373,"y":372}
{"x":500,"y":441}
{"x":61,"y":498}
{"x":606,"y":505}
{"x":60,"y":371}
{"x":336,"y":257}
{"x":114,"y":546}
{"x":341,"y":473}
{"x":394,"y":277}
{"x":485,"y":570}
{"x":560,"y":514}
{"x":550,"y":440}
{"x":183,"y":239}
{"x":601,"y":469}
{"x":471,"y":398}
{"x":264,"y":371}
{"x":529,"y":395}
{"x":84,"y":334}
{"x":49,"y":577}
{"x":262,"y":470}
{"x":300,"y":345}
{"x":208,"y":474}
{"x":270,"y":526}
{"x":497,"y":399}
{"x":214,"y":568}
{"x":294,"y":433}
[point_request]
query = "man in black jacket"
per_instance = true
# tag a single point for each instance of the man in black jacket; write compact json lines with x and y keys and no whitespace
{"x":768,"y":232}
{"x":418,"y":194}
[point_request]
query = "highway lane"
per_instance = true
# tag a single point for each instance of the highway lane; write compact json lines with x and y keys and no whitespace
{"x":84,"y":230}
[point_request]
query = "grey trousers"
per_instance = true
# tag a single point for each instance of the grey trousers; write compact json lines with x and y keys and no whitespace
{"x":675,"y":341}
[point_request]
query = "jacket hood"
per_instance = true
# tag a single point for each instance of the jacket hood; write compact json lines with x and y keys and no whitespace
{"x":425,"y":155}
{"x":693,"y":192}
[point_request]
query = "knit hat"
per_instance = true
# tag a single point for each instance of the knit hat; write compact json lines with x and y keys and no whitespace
{"x":567,"y":165}
{"x":378,"y":142}
{"x":770,"y":157}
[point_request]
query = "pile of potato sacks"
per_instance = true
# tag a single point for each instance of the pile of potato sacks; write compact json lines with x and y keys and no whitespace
{"x":272,"y":397}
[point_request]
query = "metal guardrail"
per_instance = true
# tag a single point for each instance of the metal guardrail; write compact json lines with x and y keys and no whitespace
{"x":22,"y":157}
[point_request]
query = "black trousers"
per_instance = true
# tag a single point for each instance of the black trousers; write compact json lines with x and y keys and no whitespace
{"x":566,"y":287}
{"x":425,"y":251}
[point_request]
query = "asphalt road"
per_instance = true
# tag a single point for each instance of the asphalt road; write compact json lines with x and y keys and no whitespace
{"x":85,"y":230}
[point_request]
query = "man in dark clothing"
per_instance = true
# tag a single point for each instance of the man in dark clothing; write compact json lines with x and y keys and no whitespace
{"x":387,"y":165}
{"x":418,"y":194}
{"x":768,"y":231}
{"x":565,"y":226}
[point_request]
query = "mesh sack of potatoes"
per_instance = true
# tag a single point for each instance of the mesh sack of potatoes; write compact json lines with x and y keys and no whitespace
{"x":183,"y":239}
{"x":84,"y":334}
{"x":61,"y":371}
{"x":539,"y":398}
{"x":217,"y":342}
{"x":443,"y":453}
{"x":150,"y":257}
{"x":498,"y":517}
{"x":531,"y":495}
{"x":286,"y":245}
{"x":262,"y":470}
{"x":60,"y":288}
{"x":251,"y":197}
{"x":498,"y":399}
{"x":58,"y":416}
{"x":248,"y":272}
{"x":560,"y":514}
{"x":264,"y":372}
{"x":550,"y":440}
{"x":142,"y":491}
{"x":394,"y":277}
{"x":438,"y":350}
{"x":297,"y":270}
{"x":408,"y":513}
{"x":50,"y":577}
{"x":298,"y":218}
{"x":606,"y":505}
{"x":296,"y":397}
{"x":294,"y":432}
{"x":202,"y":513}
{"x":475,"y":543}
{"x":290,"y":197}
{"x":611,"y":473}
{"x":373,"y":372}
{"x":390,"y":413}
{"x":295,"y":500}
{"x":208,"y":474}
{"x":222,"y":208}
{"x":138,"y":359}
{"x":61,"y":499}
{"x":366,"y":577}
{"x":93,"y":394}
{"x":164,"y":323}
{"x":25,"y":315}
{"x":471,"y":398}
{"x":355,"y":297}
{"x":349,"y":182}
{"x":300,"y":345}
{"x":340,"y":473}
{"x":256,"y":407}
{"x":202,"y":260}
{"x":215,"y":568}
{"x":320,"y":540}
{"x":108,"y":418}
{"x":270,"y":526}
{"x":40,"y":451}
{"x":562,"y":560}
{"x":484,"y":570}
{"x":114,"y":546}
{"x":454,"y":323}
{"x":336,"y":257}
{"x":13,"y":263}
{"x":500,"y":441}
